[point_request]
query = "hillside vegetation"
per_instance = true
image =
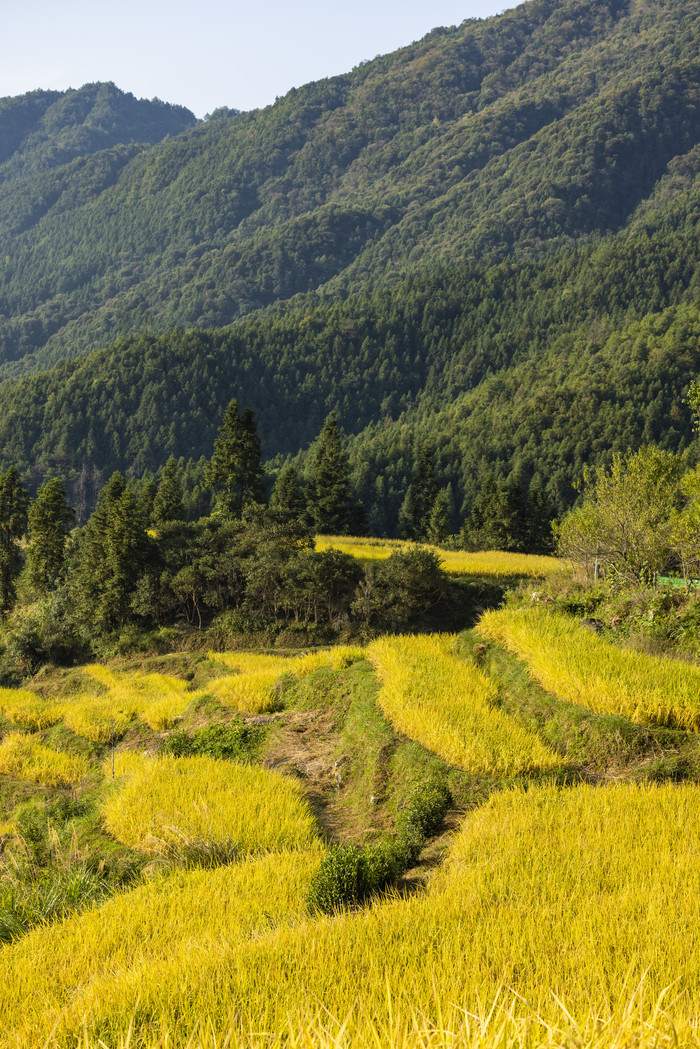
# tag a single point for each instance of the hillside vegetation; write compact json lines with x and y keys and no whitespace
{"x":486,"y":240}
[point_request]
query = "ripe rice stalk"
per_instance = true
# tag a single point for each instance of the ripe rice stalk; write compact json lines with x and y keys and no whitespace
{"x":26,"y":759}
{"x":576,"y":908}
{"x":22,"y":707}
{"x":448,"y":706}
{"x":585,"y":669}
{"x":160,"y":799}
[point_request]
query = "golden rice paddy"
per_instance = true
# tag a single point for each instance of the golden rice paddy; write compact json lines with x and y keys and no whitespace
{"x":448,"y":706}
{"x":585,"y":669}
{"x":455,"y":562}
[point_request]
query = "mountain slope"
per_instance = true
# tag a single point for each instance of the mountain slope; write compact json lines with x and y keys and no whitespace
{"x":543,"y":126}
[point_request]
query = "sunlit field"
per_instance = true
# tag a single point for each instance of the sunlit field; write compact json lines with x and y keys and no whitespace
{"x":27,"y":759}
{"x":177,"y":804}
{"x":448,"y":705}
{"x":29,"y":710}
{"x":251,"y":689}
{"x":454,"y":562}
{"x":582,"y":668}
{"x":550,"y":898}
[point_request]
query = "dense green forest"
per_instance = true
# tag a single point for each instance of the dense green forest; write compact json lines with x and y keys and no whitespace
{"x":485,"y":244}
{"x":544,"y":125}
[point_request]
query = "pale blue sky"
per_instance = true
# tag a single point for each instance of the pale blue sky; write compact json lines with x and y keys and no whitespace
{"x":209,"y":53}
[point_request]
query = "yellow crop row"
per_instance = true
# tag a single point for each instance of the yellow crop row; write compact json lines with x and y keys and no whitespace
{"x":28,"y":709}
{"x":158,"y":699}
{"x":582,"y":668}
{"x":448,"y":706}
{"x":155,"y":698}
{"x":251,"y":689}
{"x":455,"y":562}
{"x":337,"y":658}
{"x":549,"y":896}
{"x":169,"y":802}
{"x":27,"y":759}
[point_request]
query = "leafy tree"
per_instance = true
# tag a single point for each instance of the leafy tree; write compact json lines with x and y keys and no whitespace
{"x":167,"y":504}
{"x":235,"y":467}
{"x":625,"y":524}
{"x":49,"y":522}
{"x":13,"y":522}
{"x":396,"y":591}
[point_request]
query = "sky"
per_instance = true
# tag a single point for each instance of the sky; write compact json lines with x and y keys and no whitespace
{"x":208,"y":53}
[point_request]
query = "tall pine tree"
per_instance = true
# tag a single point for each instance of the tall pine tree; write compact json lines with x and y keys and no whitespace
{"x":49,"y":519}
{"x":332,"y":508}
{"x":167,"y":504}
{"x":235,"y":468}
{"x":13,"y":522}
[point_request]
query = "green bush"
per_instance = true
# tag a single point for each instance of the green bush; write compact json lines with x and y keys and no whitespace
{"x":424,"y":811}
{"x":348,"y":874}
{"x":234,"y":742}
{"x":340,"y":881}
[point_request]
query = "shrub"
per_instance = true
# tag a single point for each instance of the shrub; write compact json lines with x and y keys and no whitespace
{"x":341,"y":880}
{"x":425,"y":811}
{"x":348,"y":874}
{"x":235,"y":742}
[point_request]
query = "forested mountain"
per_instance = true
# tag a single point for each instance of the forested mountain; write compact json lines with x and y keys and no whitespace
{"x":486,"y":241}
{"x":43,"y":130}
{"x":543,"y":125}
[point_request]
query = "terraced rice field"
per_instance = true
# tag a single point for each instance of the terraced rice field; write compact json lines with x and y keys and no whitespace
{"x":449,"y":706}
{"x":562,"y":915}
{"x":496,"y":563}
{"x":582,"y":668}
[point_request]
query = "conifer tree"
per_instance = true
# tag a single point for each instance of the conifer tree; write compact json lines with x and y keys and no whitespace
{"x":440,"y":522}
{"x":540,"y":512}
{"x":113,"y":551}
{"x":49,"y":521}
{"x":497,"y":519}
{"x":167,"y":505}
{"x":13,"y":522}
{"x":420,"y":497}
{"x":235,"y":467}
{"x":331,"y":505}
{"x":287,"y":497}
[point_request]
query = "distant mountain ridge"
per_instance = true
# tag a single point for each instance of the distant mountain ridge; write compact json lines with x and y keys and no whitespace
{"x":551,"y":122}
{"x":42,"y":130}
